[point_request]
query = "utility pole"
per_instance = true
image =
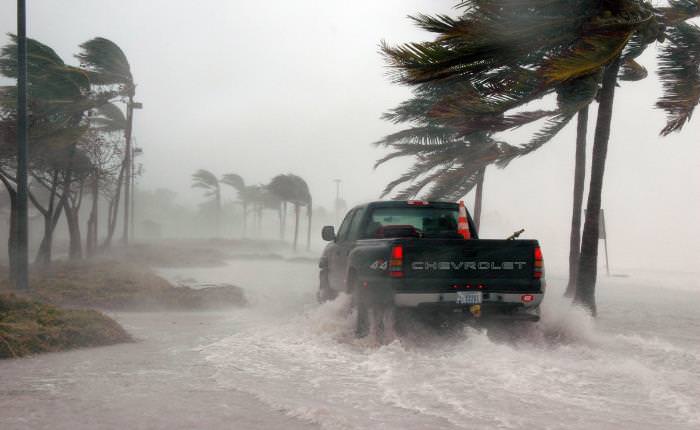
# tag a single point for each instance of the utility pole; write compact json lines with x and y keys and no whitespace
{"x":128,"y":160}
{"x":134,"y":153}
{"x":133,"y":191}
{"x":337,"y":199}
{"x":22,"y":227}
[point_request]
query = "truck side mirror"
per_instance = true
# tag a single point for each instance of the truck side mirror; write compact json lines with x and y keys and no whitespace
{"x":328,"y":233}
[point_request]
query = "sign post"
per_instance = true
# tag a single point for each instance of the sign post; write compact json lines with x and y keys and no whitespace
{"x":603,"y":234}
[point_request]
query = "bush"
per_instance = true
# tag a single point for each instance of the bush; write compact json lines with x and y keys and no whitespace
{"x":29,"y":327}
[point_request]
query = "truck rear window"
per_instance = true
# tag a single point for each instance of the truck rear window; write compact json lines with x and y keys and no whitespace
{"x":412,"y":221}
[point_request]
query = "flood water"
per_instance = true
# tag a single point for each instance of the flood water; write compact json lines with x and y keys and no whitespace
{"x":286,"y":362}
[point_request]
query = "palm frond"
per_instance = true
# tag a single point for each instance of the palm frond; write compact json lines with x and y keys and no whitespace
{"x":109,"y":118}
{"x":679,"y":72}
{"x":204,"y":179}
{"x":630,"y":70}
{"x":587,"y":56}
{"x":106,"y":61}
{"x":423,"y":135}
{"x":678,"y":11}
{"x":233,"y":180}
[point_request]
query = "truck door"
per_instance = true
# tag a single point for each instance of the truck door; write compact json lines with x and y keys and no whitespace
{"x":336,"y":274}
{"x":344,"y":244}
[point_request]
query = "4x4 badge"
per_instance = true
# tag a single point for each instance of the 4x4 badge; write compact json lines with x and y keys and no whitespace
{"x":379,"y":264}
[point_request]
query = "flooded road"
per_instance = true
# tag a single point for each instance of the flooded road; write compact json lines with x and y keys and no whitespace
{"x":286,"y":362}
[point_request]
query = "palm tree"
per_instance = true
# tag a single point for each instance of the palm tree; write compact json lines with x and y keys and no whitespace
{"x":511,"y":53}
{"x":108,"y":119}
{"x":108,"y":66}
{"x":59,"y":97}
{"x":210,"y":184}
{"x":679,"y":71}
{"x":237,"y":183}
{"x":293,"y":189}
{"x":680,"y":75}
{"x":105,"y":157}
{"x":283,"y":188}
{"x":440,"y":124}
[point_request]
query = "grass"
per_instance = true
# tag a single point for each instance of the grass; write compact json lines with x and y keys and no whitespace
{"x":53,"y":315}
{"x":122,"y":286}
{"x":29,"y":327}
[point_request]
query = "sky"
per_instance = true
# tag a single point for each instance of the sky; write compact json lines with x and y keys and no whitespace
{"x":261,"y":88}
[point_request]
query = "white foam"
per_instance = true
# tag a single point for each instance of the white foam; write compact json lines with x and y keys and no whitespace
{"x":308,"y":363}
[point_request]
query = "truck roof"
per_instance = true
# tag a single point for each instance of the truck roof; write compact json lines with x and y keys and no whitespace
{"x":403,"y":203}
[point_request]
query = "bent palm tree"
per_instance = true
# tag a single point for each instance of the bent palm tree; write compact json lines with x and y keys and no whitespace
{"x":510,"y":53}
{"x":108,"y":119}
{"x":108,"y":66}
{"x":237,"y":183}
{"x":59,"y":97}
{"x":293,"y":189}
{"x":207,"y":181}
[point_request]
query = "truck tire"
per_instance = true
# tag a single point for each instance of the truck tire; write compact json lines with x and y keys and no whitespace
{"x":359,"y":301}
{"x":325,"y":292}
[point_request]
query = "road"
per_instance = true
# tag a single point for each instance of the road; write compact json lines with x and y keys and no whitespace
{"x":286,"y":362}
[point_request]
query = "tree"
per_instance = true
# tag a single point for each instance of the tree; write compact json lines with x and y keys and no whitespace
{"x":680,"y":75}
{"x":293,"y":189}
{"x":579,"y":178}
{"x":108,"y":67}
{"x":452,"y":149}
{"x":524,"y":50}
{"x":210,"y":184}
{"x":102,"y":146}
{"x":105,"y":158}
{"x":59,"y":97}
{"x":236,"y":182}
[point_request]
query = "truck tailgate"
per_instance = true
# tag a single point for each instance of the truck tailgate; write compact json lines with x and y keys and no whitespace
{"x":495,"y":265}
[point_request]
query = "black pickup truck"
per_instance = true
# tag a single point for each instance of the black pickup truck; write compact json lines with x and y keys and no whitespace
{"x":409,"y":254}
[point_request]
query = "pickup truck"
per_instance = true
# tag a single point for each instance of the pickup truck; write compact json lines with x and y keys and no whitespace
{"x":392,"y":255}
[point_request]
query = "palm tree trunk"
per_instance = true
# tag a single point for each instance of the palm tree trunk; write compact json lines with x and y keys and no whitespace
{"x":588,"y":262}
{"x":281,"y":221}
{"x":91,"y":240}
{"x":114,"y":210}
{"x":478,"y":196}
{"x":51,"y":217}
{"x":73,"y":222}
{"x":297,"y":209}
{"x":245,"y":219}
{"x":283,"y":229}
{"x":579,"y":179}
{"x":309,"y":211}
{"x":51,"y":214}
{"x":72,"y":210}
{"x":218,"y":211}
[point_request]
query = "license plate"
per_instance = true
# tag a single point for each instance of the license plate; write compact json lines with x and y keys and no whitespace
{"x":469,"y":297}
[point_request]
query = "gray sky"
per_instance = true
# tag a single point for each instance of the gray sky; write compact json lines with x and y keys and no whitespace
{"x":260,"y":88}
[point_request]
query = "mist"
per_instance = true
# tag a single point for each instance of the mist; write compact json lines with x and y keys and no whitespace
{"x":261,"y":89}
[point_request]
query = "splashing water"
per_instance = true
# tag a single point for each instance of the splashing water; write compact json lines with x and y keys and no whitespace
{"x":567,"y":371}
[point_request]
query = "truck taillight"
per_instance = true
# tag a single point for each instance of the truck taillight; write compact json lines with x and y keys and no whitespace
{"x":539,"y":264}
{"x":396,"y":262}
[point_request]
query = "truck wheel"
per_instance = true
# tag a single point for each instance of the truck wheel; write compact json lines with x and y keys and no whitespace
{"x":325,"y":292}
{"x":362,"y":320}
